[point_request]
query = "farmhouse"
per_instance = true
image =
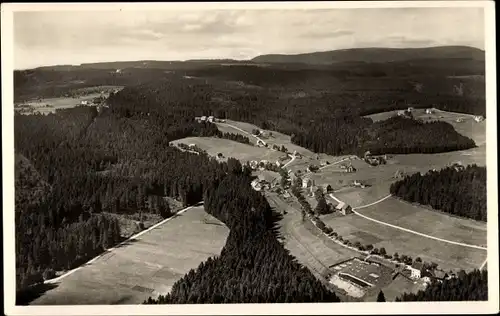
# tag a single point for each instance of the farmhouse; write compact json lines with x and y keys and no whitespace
{"x":416,"y":270}
{"x":478,"y":118}
{"x":261,"y":143}
{"x":85,"y":102}
{"x":429,"y":111}
{"x":192,"y":145}
{"x":297,"y":154}
{"x":459,"y":120}
{"x":344,"y":208}
{"x":254,"y":164}
{"x":203,"y":119}
{"x":439,"y":275}
{"x":307,"y":182}
{"x":211,"y":119}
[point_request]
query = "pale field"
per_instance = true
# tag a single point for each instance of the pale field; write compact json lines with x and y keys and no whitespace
{"x":229,"y":148}
{"x":68,"y":102}
{"x":145,"y":267}
{"x":447,"y":256}
{"x":427,"y":221}
{"x":305,"y":241}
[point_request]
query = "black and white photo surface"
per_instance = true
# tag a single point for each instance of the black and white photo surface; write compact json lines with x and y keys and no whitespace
{"x":181,"y":158}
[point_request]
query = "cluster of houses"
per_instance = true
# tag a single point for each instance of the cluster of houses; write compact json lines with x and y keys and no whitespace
{"x":210,"y":119}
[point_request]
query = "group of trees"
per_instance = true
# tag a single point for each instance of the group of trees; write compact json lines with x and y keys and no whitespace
{"x":396,"y":135}
{"x":76,"y":165}
{"x":253,"y":266}
{"x":468,"y":286}
{"x":452,"y":190}
{"x":235,"y":137}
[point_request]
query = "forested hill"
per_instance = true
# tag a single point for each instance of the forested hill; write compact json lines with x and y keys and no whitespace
{"x":376,"y":55}
{"x":471,"y":286}
{"x":452,"y":190}
{"x":253,"y":266}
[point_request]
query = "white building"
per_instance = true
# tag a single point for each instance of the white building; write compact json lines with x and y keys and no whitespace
{"x":211,"y":119}
{"x":306,"y":183}
{"x":478,"y":118}
{"x":429,"y":111}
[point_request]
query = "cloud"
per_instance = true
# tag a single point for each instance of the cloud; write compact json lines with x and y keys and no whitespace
{"x":326,"y":34}
{"x":74,"y":37}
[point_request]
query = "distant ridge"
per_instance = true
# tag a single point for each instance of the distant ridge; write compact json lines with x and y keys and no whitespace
{"x":375,"y":55}
{"x":353,"y":55}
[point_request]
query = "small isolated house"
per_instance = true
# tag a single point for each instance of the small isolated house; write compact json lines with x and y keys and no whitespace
{"x":439,"y":275}
{"x":203,"y":119}
{"x":344,"y":208}
{"x":459,"y":120}
{"x":254,"y":164}
{"x":478,"y":118}
{"x":416,"y":270}
{"x":261,"y":143}
{"x":85,"y":102}
{"x":279,"y":164}
{"x":429,"y":111}
{"x":192,"y":145}
{"x":350,"y":168}
{"x":211,"y":119}
{"x":256,"y":185}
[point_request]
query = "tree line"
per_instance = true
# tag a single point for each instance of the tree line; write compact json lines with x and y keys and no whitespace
{"x":455,"y":190}
{"x":253,"y":266}
{"x":467,"y":286}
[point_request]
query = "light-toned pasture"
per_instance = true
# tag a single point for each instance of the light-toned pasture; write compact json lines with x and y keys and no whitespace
{"x":69,"y":102}
{"x":276,"y":138}
{"x":448,"y":256}
{"x":229,"y":148}
{"x":305,"y":242}
{"x":145,"y":267}
{"x":426,"y":221}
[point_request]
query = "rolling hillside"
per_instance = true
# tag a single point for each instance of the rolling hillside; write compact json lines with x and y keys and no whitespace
{"x":376,"y":55}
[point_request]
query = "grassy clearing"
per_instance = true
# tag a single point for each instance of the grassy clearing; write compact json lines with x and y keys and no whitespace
{"x":414,"y":217}
{"x":448,"y":256}
{"x":143,"y":267}
{"x":305,"y":241}
{"x":229,"y":148}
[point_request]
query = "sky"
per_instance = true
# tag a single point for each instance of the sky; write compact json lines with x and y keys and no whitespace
{"x":72,"y":37}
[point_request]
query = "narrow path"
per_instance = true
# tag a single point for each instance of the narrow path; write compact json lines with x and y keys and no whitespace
{"x":406,"y":229}
{"x":70,"y":272}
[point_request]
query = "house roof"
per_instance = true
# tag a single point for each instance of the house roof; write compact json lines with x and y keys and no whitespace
{"x":341,"y":205}
{"x":439,"y":274}
{"x":418,"y":265}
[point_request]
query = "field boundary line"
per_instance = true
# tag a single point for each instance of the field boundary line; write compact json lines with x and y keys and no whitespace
{"x":406,"y":229}
{"x":107,"y":251}
{"x":483,"y":264}
{"x":368,"y":205}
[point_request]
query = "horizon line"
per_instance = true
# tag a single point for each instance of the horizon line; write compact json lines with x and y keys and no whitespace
{"x":247,"y":59}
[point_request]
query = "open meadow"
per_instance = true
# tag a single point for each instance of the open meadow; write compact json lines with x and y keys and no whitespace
{"x":146,"y":266}
{"x":49,"y":105}
{"x":448,"y":256}
{"x":229,"y":148}
{"x":426,"y":221}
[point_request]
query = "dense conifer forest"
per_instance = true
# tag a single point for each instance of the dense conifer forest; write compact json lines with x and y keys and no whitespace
{"x":471,"y":286}
{"x":253,"y":266}
{"x":89,"y":164}
{"x":451,"y":190}
{"x":78,"y":165}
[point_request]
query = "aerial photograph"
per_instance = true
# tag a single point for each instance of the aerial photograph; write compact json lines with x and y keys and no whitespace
{"x":214,"y":156}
